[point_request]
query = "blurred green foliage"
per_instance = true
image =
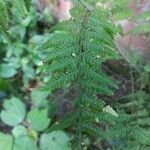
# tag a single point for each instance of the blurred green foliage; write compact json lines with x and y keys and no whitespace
{"x":24,"y":120}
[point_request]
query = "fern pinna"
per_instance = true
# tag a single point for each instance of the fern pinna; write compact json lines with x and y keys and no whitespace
{"x":23,"y":7}
{"x":74,"y":56}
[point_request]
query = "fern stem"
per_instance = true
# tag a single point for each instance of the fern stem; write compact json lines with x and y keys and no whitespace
{"x":79,"y":77}
{"x":85,"y":5}
{"x":79,"y":127}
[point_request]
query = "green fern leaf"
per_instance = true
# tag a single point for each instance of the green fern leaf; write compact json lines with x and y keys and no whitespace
{"x":27,"y":4}
{"x":4,"y":21}
{"x":74,"y":56}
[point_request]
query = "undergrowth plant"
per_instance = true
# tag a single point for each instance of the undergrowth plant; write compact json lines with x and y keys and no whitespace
{"x":18,"y":56}
{"x":75,"y":53}
{"x":136,"y":104}
{"x":27,"y":126}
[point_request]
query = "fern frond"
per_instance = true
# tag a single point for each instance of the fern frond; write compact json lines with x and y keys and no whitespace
{"x":65,"y":122}
{"x":141,"y":135}
{"x":118,"y":131}
{"x":3,"y":17}
{"x":120,"y":9}
{"x":27,"y":4}
{"x":94,"y":131}
{"x":20,"y":6}
{"x":75,"y":53}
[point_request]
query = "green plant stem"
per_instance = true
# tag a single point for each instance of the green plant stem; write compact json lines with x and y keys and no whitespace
{"x":79,"y":127}
{"x":80,"y":54}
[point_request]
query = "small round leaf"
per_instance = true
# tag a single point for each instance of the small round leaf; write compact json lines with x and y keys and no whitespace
{"x":56,"y":140}
{"x":7,"y":71}
{"x":19,"y":131}
{"x":14,"y":112}
{"x":38,"y":119}
{"x":24,"y":143}
{"x":6,"y":141}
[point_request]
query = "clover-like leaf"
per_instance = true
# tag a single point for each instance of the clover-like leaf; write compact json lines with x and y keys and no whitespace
{"x":38,"y":119}
{"x":56,"y":140}
{"x":6,"y":141}
{"x":7,"y":71}
{"x":147,"y":68}
{"x":14,"y":112}
{"x":19,"y":130}
{"x":23,"y":139}
{"x":24,"y":143}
